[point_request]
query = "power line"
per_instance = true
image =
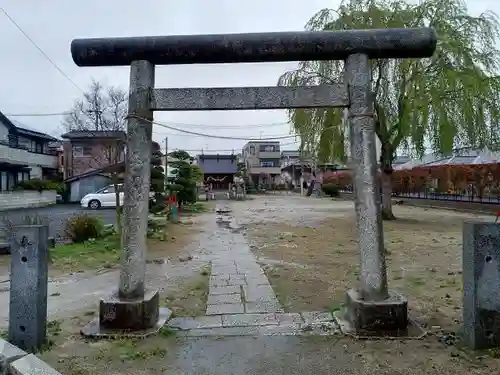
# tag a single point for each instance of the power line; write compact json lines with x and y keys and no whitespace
{"x":271,"y":124}
{"x":211,"y":135}
{"x":40,"y":50}
{"x":47,"y":57}
{"x":230,"y":150}
{"x":37,"y":114}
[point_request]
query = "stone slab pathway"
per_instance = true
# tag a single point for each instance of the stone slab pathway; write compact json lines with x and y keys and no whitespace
{"x":253,"y":324}
{"x":241,"y":300}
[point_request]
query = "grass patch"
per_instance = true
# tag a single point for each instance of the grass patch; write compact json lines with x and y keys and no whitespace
{"x":192,"y":299}
{"x":103,"y":252}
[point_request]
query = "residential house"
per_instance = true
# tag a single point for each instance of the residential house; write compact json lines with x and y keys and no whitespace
{"x":218,"y":170}
{"x":24,"y":154}
{"x":89,"y":157}
{"x":262,"y":160}
{"x":90,"y":182}
{"x":85,"y":151}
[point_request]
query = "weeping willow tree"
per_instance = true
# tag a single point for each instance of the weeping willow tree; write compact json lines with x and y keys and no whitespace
{"x":446,"y":101}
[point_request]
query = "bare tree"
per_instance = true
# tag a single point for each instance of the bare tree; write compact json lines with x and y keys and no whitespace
{"x":100,"y":113}
{"x":100,"y":109}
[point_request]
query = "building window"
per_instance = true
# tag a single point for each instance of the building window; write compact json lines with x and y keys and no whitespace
{"x":79,"y":151}
{"x":3,"y":181}
{"x":252,"y":150}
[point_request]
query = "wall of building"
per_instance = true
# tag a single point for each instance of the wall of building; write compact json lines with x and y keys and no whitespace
{"x":96,"y":155}
{"x":88,"y":185}
{"x":26,"y":199}
{"x":20,"y":156}
{"x":4,"y":133}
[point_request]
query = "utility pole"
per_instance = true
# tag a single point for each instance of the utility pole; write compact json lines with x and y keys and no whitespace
{"x":166,"y":162}
{"x":97,"y":119}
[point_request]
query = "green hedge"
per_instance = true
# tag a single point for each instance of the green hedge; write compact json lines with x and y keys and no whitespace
{"x":331,"y":190}
{"x":40,"y":185}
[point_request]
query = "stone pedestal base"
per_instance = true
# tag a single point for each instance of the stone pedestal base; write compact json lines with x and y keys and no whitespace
{"x":115,"y":313}
{"x":377,"y":318}
{"x":118,"y":317}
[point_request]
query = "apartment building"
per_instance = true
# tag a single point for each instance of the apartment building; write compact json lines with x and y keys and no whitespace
{"x":262,"y":158}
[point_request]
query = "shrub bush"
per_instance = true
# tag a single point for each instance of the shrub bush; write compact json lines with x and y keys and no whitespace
{"x":38,"y":185}
{"x":81,"y":228}
{"x":331,"y":190}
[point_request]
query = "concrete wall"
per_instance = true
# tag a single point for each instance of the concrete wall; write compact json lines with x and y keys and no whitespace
{"x":26,"y":199}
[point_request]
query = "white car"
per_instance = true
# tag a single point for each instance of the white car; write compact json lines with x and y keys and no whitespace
{"x":104,"y":197}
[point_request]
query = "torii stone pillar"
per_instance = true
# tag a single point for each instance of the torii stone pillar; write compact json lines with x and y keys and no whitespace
{"x":370,"y":305}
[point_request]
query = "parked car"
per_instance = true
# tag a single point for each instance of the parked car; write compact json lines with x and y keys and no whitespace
{"x":104,"y":197}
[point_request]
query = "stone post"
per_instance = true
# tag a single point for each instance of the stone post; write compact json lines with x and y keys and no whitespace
{"x":370,"y":307}
{"x":373,"y":278}
{"x":137,"y":181}
{"x":133,"y":308}
{"x":481,"y":283}
{"x":28,"y":287}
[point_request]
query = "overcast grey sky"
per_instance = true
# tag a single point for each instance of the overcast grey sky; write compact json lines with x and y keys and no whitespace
{"x":30,"y":84}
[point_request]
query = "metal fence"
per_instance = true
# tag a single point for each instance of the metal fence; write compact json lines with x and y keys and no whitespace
{"x":430,"y":194}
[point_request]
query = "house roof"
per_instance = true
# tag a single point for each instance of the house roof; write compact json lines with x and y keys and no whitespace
{"x":7,"y":122}
{"x":94,"y":172}
{"x":220,"y":164}
{"x":33,"y":133}
{"x":18,"y":128}
{"x":87,"y":134}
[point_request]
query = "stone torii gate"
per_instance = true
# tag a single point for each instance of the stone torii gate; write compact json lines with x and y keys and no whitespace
{"x":370,"y":306}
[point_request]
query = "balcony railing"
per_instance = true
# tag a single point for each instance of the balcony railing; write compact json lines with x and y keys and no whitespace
{"x":269,"y":154}
{"x":264,"y":170}
{"x":22,"y":155}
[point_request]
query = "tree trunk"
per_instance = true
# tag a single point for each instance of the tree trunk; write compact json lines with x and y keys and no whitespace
{"x":386,"y":159}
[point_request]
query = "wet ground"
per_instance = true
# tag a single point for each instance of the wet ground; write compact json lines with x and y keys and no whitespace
{"x":256,"y":354}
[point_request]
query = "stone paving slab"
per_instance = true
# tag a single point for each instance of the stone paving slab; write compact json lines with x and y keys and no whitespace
{"x":219,"y":299}
{"x":263,"y":307}
{"x":234,"y":289}
{"x":223,"y":331}
{"x":317,"y":317}
{"x":246,"y":320}
{"x":229,"y":308}
{"x":225,"y":270}
{"x":31,"y":365}
{"x":258,"y":293}
{"x":257,"y":280}
{"x":293,"y":329}
{"x":289,"y":318}
{"x":237,"y":277}
{"x":237,"y":282}
{"x":186,"y":323}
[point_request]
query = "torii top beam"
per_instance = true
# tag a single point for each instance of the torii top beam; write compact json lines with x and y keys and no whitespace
{"x":255,"y":47}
